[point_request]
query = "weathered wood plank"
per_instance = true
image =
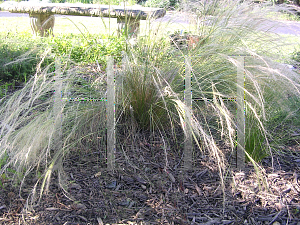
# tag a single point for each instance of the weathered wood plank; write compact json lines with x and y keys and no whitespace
{"x":110,"y":113}
{"x":135,"y":12}
{"x":57,"y":107}
{"x":240,"y":113}
{"x":188,"y":144}
{"x":42,"y":14}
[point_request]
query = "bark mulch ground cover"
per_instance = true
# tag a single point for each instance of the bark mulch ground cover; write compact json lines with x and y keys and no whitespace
{"x":142,"y":191}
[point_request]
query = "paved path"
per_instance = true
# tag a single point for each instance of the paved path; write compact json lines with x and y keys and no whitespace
{"x":283,"y":27}
{"x":280,"y":27}
{"x":289,"y":27}
{"x":8,"y":14}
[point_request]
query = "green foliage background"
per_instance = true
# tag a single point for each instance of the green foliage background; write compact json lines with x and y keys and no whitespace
{"x":21,"y":54}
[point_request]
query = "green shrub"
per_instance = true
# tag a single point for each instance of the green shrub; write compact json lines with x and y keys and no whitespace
{"x":18,"y":59}
{"x":296,"y":57}
{"x":87,"y":49}
{"x":21,"y":54}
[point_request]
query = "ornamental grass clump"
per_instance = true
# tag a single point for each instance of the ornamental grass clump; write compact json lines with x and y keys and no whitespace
{"x":40,"y":125}
{"x":232,"y":30}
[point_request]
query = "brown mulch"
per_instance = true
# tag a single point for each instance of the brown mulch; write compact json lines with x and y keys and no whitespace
{"x":142,"y":191}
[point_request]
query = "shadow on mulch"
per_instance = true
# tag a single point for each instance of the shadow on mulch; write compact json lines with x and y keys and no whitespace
{"x":141,"y":191}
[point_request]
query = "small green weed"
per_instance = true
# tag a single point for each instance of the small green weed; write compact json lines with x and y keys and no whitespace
{"x":4,"y":176}
{"x":296,"y":56}
{"x":3,"y":160}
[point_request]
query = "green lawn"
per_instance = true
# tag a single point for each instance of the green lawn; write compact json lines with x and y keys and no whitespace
{"x":72,"y":24}
{"x":63,"y":25}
